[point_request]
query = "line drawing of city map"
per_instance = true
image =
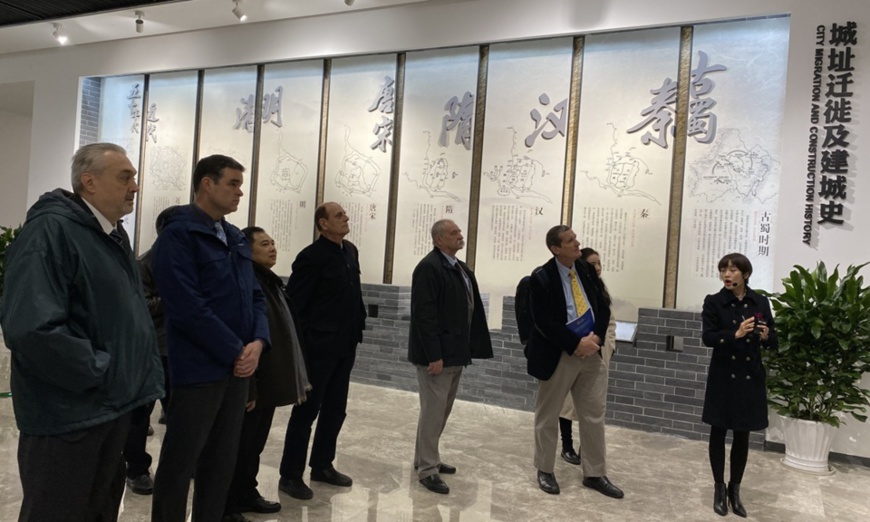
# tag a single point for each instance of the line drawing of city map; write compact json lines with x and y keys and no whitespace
{"x":621,"y":171}
{"x":289,"y":173}
{"x":734,"y":171}
{"x":167,"y":168}
{"x":434,"y":174}
{"x":517,"y":176}
{"x":358,"y":173}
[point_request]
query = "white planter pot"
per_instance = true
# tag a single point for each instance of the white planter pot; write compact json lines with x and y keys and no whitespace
{"x":807,"y":444}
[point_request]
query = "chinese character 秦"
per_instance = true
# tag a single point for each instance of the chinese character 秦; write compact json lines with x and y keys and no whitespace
{"x":659,"y":113}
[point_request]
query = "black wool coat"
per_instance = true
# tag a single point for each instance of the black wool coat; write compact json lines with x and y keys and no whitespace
{"x":736,"y":397}
{"x":439,"y":315}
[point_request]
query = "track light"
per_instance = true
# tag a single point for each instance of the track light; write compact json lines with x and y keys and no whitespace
{"x":348,"y":2}
{"x":59,"y":35}
{"x":237,"y":10}
{"x":140,"y":23}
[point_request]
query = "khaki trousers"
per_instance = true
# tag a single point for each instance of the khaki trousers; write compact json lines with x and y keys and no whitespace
{"x":586,"y":380}
{"x":437,"y":393}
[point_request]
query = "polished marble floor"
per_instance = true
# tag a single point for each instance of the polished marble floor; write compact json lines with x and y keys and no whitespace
{"x":665,"y":478}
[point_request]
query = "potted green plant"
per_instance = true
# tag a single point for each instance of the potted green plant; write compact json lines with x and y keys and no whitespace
{"x":7,"y":235}
{"x":823,"y":327}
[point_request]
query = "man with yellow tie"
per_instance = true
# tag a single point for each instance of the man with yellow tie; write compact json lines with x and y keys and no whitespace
{"x":571,"y":313}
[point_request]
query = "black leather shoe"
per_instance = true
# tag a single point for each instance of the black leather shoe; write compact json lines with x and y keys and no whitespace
{"x":150,"y":430}
{"x":547,"y":483}
{"x":296,"y":488}
{"x":162,"y":419}
{"x":603,"y":486}
{"x":235,"y":517}
{"x":331,"y":476}
{"x":570,"y":456}
{"x":445,"y":469}
{"x":141,"y":485}
{"x":734,"y":499}
{"x":260,"y":505}
{"x":434,"y":484}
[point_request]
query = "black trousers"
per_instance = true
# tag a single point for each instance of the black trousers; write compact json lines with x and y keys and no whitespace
{"x":138,"y":460}
{"x":202,"y":440}
{"x":75,"y":477}
{"x":330,"y":380}
{"x":255,"y":432}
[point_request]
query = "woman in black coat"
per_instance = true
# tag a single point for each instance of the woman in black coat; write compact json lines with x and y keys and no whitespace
{"x":737,"y":324}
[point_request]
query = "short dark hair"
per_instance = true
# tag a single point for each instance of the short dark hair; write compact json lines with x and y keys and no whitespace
{"x":739,"y":261}
{"x":250,"y":231}
{"x":553,"y":239}
{"x":163,"y":218}
{"x":213,"y":167}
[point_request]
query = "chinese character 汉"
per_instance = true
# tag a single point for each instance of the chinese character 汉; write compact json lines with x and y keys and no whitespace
{"x":245,"y":114}
{"x":384,"y":133}
{"x":385,"y":98}
{"x":844,"y":34}
{"x":831,"y":212}
{"x":272,"y":107}
{"x":833,"y":187}
{"x":835,"y":161}
{"x":556,"y":118}
{"x":659,"y":114}
{"x":459,"y":116}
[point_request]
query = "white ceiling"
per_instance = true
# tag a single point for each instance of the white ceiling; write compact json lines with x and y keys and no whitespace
{"x":182,"y":16}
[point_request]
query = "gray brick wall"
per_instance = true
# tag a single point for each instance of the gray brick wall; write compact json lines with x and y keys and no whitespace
{"x":650,"y":389}
{"x":91,"y":91}
{"x":656,"y":389}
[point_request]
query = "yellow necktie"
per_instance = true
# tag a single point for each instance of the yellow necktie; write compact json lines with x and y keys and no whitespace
{"x":580,"y":304}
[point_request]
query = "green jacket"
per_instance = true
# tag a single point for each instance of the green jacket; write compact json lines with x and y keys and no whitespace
{"x":73,"y":312}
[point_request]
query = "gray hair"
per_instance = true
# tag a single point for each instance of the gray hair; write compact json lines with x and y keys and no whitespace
{"x":90,"y":159}
{"x":440,"y":227}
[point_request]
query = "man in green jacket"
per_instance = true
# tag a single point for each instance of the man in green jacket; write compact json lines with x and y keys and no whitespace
{"x":84,"y":351}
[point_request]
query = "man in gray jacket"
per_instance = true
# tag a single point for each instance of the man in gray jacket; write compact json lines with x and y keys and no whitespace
{"x":84,"y":351}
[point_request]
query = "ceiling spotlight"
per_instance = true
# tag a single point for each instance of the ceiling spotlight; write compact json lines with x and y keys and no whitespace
{"x":59,"y":35}
{"x":140,"y":23}
{"x":237,"y":10}
{"x":348,"y":2}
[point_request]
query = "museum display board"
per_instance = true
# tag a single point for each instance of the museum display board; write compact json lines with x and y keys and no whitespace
{"x":289,"y":151}
{"x":622,"y":174}
{"x":621,"y":186}
{"x":359,"y":148}
{"x":121,"y":113}
{"x":227,"y":124}
{"x":732,"y":171}
{"x":166,"y":175}
{"x":523,"y":164}
{"x":437,"y":140}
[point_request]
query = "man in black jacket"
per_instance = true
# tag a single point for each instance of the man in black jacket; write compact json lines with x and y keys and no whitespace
{"x":448,"y":329}
{"x":565,"y":361}
{"x":325,"y":289}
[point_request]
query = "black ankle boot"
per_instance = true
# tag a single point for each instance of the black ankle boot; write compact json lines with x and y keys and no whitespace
{"x":720,"y":503}
{"x":734,"y":499}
